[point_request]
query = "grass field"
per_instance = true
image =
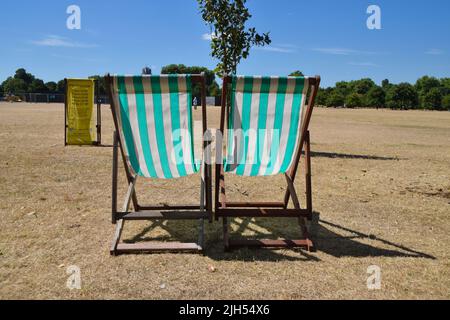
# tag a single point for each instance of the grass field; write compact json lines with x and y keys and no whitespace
{"x":381,"y":185}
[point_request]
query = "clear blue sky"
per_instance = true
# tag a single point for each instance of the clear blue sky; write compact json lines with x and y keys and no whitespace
{"x":327,"y":37}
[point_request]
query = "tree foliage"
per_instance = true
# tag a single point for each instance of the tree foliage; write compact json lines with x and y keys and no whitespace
{"x":296,"y":73}
{"x":426,"y":93}
{"x":402,"y":96}
{"x":432,"y":100}
{"x":212,"y":88}
{"x":231,"y":40}
{"x":376,"y":97}
{"x":353,"y":100}
{"x":446,"y":102}
{"x":335,"y":99}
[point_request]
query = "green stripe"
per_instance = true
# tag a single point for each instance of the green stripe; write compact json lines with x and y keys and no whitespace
{"x":277,"y":125}
{"x":142,"y":121}
{"x":175,"y":118}
{"x":246,"y":110}
{"x":295,"y":118}
{"x":126,"y":125}
{"x":228,"y":166}
{"x":159,"y":125}
{"x":262,"y":121}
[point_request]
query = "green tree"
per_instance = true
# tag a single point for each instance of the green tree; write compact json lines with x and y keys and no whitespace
{"x":445,"y":85}
{"x":433,"y":99}
{"x":402,"y":96}
{"x":14,"y":86}
{"x":61,"y":86}
{"x":423,"y":86}
{"x":37,"y":86}
{"x":344,"y":88}
{"x":426,"y":83}
{"x":24,"y":75}
{"x":214,"y":90}
{"x":362,"y":86}
{"x":322,"y":96}
{"x":51,"y":86}
{"x":376,"y":97}
{"x":296,"y":73}
{"x":2,"y":91}
{"x":446,"y":102}
{"x":101,"y":84}
{"x":354,"y":100}
{"x":385,"y":84}
{"x":335,"y":99}
{"x":231,"y":40}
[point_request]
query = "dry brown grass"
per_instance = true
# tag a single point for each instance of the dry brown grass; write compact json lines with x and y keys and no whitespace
{"x":381,"y":185}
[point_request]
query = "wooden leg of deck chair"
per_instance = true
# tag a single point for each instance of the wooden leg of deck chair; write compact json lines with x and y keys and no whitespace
{"x":301,"y":220}
{"x":308,"y":176}
{"x":114,"y":178}
{"x":116,"y":239}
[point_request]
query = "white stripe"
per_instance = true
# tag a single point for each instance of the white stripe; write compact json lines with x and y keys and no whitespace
{"x":286,"y":125}
{"x":253,"y":128}
{"x":184,"y":126}
{"x":149,"y":110}
{"x":300,"y":122}
{"x":132,"y":111}
{"x":237,"y":141}
{"x":268,"y":136}
{"x":167,"y":121}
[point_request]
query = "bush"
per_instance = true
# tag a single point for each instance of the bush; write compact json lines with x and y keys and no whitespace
{"x":376,"y":97}
{"x":335,"y":99}
{"x":402,"y":96}
{"x":433,"y":99}
{"x":446,"y":102}
{"x":354,"y":100}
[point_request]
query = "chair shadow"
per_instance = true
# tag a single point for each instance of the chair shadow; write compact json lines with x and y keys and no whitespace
{"x":175,"y":231}
{"x":325,"y":239}
{"x":339,"y":246}
{"x":351,"y":156}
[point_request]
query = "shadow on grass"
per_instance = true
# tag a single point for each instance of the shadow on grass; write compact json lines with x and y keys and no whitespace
{"x":347,"y":246}
{"x":327,"y":236}
{"x":351,"y":156}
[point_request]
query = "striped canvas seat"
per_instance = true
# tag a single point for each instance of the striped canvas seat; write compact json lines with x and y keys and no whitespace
{"x":154,"y":118}
{"x":264,"y":124}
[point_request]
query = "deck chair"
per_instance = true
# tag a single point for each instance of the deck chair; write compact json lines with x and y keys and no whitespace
{"x":277,"y":112}
{"x":154,"y":133}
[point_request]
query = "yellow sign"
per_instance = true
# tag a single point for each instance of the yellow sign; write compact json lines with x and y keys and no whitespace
{"x":80,"y":106}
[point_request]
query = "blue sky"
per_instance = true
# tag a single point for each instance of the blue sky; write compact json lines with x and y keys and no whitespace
{"x":327,"y":37}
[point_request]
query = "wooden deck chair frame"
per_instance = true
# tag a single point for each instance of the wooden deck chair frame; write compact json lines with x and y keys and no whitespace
{"x":98,"y":126}
{"x":225,"y":209}
{"x":159,"y":212}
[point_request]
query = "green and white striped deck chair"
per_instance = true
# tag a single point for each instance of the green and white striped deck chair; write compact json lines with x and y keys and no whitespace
{"x":154,"y":132}
{"x":268,"y":119}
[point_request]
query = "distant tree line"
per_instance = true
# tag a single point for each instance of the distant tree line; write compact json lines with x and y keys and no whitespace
{"x":23,"y":82}
{"x":427,"y":93}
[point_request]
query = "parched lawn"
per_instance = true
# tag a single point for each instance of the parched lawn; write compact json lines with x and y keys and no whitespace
{"x":381,"y":186}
